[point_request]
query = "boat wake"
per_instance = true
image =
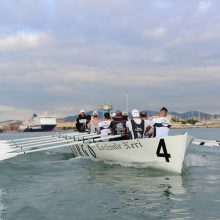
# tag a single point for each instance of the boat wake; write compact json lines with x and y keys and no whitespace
{"x":77,"y":158}
{"x":193,"y":160}
{"x":129,"y":164}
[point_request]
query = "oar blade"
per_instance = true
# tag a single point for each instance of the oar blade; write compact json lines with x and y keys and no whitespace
{"x":6,"y":155}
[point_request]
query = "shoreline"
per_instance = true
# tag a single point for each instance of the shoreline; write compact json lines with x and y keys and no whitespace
{"x":65,"y":130}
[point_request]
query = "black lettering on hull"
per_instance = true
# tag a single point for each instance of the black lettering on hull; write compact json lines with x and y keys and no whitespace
{"x":91,"y":151}
{"x":84,"y":151}
{"x":79,"y":151}
{"x":164,"y":154}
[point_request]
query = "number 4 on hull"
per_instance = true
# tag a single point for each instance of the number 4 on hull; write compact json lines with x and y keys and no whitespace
{"x":164,"y":153}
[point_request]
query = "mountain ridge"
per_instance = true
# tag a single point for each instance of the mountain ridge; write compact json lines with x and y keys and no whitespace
{"x":184,"y":115}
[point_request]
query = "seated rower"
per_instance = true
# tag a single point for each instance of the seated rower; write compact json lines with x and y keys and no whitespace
{"x":93,"y":124}
{"x":118,"y":126}
{"x":125,"y":116}
{"x":81,"y":121}
{"x":161,"y":124}
{"x":136,"y":126}
{"x":149,"y":133}
{"x":104,"y":126}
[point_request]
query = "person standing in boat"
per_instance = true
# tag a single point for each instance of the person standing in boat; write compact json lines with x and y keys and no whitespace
{"x":161,"y":124}
{"x":104,"y":126}
{"x":118,"y":126}
{"x":93,"y":124}
{"x":81,"y":121}
{"x":136,"y":126}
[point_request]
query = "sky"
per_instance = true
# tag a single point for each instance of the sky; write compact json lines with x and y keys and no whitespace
{"x":60,"y":56}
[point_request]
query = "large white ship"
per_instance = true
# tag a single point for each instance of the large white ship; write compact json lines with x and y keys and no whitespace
{"x":39,"y":123}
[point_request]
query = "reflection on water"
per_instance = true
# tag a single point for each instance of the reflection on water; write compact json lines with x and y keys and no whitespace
{"x":146,"y":192}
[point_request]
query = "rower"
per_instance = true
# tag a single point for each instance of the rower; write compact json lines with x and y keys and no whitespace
{"x":161,"y":124}
{"x":118,"y":126}
{"x":104,"y":126}
{"x":125,"y":115}
{"x":136,"y":126}
{"x":149,"y":133}
{"x":93,"y":124}
{"x":81,"y":121}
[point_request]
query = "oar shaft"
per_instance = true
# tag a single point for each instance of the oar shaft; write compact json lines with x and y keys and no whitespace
{"x":38,"y":142}
{"x":44,"y":144}
{"x":35,"y":141}
{"x":32,"y":138}
{"x":73,"y":134}
{"x":92,"y":136}
{"x":103,"y":138}
{"x":49,"y":148}
{"x":53,"y":141}
{"x":40,"y":137}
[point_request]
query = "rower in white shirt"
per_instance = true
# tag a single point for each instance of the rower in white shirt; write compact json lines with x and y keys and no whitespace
{"x":104,"y":126}
{"x":161,"y":124}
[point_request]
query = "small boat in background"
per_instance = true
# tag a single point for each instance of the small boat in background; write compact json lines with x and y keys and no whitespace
{"x":39,"y":123}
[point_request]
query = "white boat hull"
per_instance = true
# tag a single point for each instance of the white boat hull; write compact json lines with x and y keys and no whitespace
{"x":162,"y":153}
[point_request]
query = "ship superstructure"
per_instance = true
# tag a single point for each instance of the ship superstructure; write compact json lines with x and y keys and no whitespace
{"x":39,"y":123}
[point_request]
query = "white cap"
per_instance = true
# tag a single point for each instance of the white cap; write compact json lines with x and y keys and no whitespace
{"x":82,"y":111}
{"x":113,"y":115}
{"x":124,"y":113}
{"x":95,"y":113}
{"x":135,"y":113}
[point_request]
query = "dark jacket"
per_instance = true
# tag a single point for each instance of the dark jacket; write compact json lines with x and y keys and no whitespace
{"x":81,"y":123}
{"x":118,"y":126}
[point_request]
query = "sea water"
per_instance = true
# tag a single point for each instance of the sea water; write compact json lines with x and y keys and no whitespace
{"x":54,"y":185}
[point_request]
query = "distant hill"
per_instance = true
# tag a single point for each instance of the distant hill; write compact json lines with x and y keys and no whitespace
{"x":74,"y":117}
{"x":194,"y":114}
{"x":185,"y":115}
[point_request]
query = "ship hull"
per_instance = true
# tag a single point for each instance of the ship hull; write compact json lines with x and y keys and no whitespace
{"x":40,"y":128}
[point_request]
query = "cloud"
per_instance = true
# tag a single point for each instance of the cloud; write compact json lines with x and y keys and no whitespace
{"x":12,"y":112}
{"x":63,"y":55}
{"x":204,"y":5}
{"x":22,"y":40}
{"x":155,"y":33}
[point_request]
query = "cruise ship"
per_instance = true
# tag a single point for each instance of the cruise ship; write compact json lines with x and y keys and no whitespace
{"x":39,"y":123}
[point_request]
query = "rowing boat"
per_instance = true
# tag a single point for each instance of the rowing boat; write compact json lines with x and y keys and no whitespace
{"x":161,"y":153}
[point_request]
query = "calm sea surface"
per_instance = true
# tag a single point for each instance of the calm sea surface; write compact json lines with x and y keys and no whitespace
{"x":53,"y":185}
